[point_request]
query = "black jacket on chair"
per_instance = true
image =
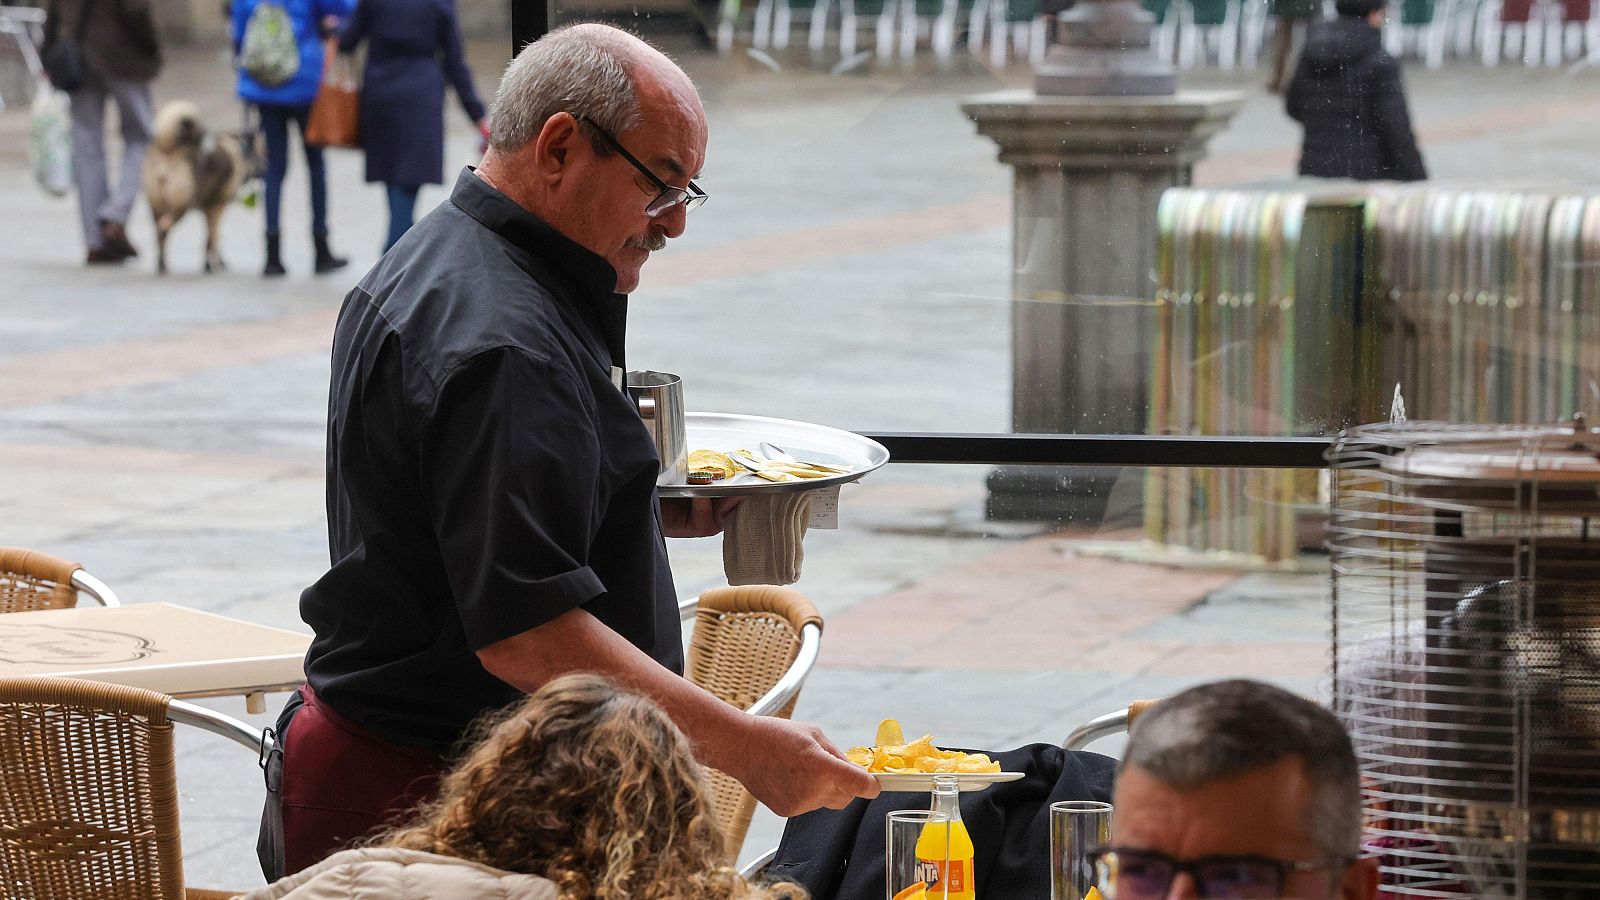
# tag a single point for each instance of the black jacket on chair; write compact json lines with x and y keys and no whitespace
{"x":1347,"y":93}
{"x":839,"y":854}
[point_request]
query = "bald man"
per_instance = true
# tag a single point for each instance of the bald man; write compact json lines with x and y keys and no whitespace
{"x":493,"y":520}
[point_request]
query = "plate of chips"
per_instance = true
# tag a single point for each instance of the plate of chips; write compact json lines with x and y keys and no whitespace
{"x":825,"y":456}
{"x":901,"y":765}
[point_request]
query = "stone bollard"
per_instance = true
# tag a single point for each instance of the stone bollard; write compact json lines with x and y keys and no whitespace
{"x":1103,"y":134}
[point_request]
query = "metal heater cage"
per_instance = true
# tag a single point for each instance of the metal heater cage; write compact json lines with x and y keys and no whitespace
{"x":1466,"y":635}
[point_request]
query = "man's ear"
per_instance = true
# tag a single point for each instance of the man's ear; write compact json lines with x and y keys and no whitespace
{"x":553,"y":148}
{"x":1361,"y":879}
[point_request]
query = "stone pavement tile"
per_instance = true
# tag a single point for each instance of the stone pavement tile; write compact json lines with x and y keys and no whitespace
{"x":1036,"y":607}
{"x":44,"y":377}
{"x":85,"y":460}
{"x":1253,"y":659}
{"x":278,"y":504}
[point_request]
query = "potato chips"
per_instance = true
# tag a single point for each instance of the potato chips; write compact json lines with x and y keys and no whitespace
{"x":892,"y":754}
{"x":722,"y":466}
{"x":711,"y":461}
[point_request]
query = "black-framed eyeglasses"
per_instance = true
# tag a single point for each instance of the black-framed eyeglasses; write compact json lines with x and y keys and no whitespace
{"x":1148,"y":875}
{"x":670,"y":196}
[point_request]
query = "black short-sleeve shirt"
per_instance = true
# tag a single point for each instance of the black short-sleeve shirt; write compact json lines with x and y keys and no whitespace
{"x":485,"y":472}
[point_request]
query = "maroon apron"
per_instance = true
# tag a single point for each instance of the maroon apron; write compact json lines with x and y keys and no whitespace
{"x":341,"y":782}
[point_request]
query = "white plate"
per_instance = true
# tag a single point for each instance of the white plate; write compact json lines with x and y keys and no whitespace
{"x":920,"y":782}
{"x":725,"y":432}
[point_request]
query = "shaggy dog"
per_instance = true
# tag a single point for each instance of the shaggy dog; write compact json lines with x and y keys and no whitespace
{"x":189,"y":169}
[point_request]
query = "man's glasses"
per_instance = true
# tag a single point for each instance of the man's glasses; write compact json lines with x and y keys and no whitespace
{"x":669,"y":196}
{"x":1147,"y":875}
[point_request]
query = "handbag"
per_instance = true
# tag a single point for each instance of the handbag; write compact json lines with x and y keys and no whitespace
{"x":62,"y":59}
{"x":336,"y":113}
{"x":50,"y":142}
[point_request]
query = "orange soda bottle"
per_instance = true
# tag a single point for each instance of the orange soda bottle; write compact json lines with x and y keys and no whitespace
{"x":944,"y":850}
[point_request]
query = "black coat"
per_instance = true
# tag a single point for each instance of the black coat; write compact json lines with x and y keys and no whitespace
{"x":413,"y":49}
{"x":1347,"y":93}
{"x":838,"y":854}
{"x":119,"y":39}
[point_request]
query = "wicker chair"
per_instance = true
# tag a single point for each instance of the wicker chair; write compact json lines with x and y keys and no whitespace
{"x":32,"y":580}
{"x":88,"y":789}
{"x":752,"y":647}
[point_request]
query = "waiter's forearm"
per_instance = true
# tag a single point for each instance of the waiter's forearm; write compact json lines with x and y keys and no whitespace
{"x":578,"y":642}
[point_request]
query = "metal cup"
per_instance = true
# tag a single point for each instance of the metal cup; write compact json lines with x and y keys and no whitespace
{"x":659,"y":397}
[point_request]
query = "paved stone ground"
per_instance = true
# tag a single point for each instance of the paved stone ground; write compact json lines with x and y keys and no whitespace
{"x":851,"y":269}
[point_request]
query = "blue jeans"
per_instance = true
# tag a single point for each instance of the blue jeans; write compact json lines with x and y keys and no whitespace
{"x":402,"y":209}
{"x":275,"y":127}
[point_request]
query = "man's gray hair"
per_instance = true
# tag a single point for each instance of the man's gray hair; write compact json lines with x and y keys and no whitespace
{"x":582,"y":69}
{"x":1228,"y":728}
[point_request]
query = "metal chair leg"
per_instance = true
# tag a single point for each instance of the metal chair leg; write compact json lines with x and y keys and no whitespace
{"x":782,"y":20}
{"x":761,"y":32}
{"x":818,"y":38}
{"x":885,"y":47}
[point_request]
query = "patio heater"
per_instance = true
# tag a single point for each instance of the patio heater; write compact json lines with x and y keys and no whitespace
{"x":1466,"y":653}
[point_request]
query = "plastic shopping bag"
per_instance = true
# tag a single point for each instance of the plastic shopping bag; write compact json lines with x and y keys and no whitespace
{"x":50,"y":142}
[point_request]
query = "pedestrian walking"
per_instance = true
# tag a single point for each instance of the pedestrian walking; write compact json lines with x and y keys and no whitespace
{"x":413,"y":46}
{"x":282,"y":87}
{"x":112,"y":54}
{"x":1290,"y":19}
{"x":1347,"y":93}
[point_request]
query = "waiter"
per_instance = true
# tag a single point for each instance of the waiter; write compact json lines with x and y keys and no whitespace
{"x":492,"y":514}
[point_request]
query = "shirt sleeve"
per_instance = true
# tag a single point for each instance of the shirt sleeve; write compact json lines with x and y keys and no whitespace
{"x":509,"y":464}
{"x":455,"y":64}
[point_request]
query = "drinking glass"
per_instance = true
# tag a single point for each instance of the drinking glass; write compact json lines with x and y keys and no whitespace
{"x":904,"y":866}
{"x":1076,"y":827}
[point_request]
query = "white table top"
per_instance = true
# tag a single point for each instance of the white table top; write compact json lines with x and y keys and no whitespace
{"x":157,"y":646}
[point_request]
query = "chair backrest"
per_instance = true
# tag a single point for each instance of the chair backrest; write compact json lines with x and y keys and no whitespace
{"x":745,"y":639}
{"x":32,"y":580}
{"x":1107,"y":725}
{"x":88,"y":791}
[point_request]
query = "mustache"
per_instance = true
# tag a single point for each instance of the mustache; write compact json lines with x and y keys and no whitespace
{"x":650,"y":242}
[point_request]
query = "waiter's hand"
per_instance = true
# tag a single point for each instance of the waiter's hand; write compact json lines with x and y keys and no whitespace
{"x":687,"y":517}
{"x":793,"y":768}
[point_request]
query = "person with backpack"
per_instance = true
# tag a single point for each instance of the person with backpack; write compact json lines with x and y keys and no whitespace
{"x":279,"y":47}
{"x":413,"y":46}
{"x":98,"y":51}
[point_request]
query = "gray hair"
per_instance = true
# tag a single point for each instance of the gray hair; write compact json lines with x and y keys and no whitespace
{"x":582,"y":69}
{"x":1228,"y":728}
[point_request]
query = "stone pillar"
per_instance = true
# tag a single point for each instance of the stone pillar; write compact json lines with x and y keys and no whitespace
{"x":1089,"y":172}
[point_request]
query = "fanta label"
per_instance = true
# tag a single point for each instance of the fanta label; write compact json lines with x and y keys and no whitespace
{"x":933,"y":871}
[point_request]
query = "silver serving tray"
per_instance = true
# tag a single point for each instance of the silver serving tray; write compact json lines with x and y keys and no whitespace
{"x":804,"y":441}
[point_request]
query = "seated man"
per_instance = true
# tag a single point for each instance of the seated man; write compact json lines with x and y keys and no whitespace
{"x":1237,"y":789}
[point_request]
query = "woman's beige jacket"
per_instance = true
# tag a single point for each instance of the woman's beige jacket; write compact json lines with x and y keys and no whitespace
{"x":386,"y":873}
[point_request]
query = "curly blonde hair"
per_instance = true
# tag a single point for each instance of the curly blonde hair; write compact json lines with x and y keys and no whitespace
{"x":591,"y":787}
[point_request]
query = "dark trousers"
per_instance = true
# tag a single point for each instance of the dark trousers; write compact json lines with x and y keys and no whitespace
{"x":275,"y":128}
{"x":339,"y":783}
{"x":402,"y":211}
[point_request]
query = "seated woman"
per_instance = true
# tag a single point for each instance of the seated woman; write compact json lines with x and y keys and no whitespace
{"x":581,"y":792}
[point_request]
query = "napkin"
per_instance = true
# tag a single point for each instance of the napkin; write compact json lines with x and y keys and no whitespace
{"x":761,"y":538}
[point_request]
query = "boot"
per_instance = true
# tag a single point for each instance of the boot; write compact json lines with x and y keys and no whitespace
{"x":274,"y":266}
{"x":326,"y":261}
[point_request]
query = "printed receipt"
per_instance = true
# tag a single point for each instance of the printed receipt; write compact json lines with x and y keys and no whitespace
{"x":825,"y":507}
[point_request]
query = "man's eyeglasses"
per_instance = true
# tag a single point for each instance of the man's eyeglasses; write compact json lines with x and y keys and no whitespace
{"x":1147,"y":875}
{"x":669,"y":196}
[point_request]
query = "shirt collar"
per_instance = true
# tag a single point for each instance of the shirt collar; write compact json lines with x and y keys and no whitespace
{"x":595,"y":279}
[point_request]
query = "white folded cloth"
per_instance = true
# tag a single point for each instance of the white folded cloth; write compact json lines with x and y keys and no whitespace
{"x":761,"y":538}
